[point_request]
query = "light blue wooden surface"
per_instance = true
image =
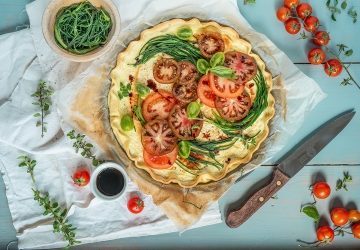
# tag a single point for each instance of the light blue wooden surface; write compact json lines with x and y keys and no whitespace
{"x":278,"y":224}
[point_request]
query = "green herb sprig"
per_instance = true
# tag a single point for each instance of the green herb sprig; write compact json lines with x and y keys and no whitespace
{"x":60,"y":225}
{"x":353,"y":15}
{"x":43,"y":102}
{"x":341,"y":184}
{"x":333,"y":9}
{"x":81,"y":28}
{"x":170,"y":45}
{"x":124,"y":90}
{"x":80,"y":143}
{"x":249,"y":1}
{"x":311,"y":211}
{"x":30,"y":164}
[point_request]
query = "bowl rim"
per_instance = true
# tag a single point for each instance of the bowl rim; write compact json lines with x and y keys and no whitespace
{"x":93,"y":178}
{"x":50,"y":39}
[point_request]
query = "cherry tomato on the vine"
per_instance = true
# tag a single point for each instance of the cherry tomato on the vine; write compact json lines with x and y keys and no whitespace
{"x":333,"y":67}
{"x":292,"y":4}
{"x":312,"y":23}
{"x":325,"y":234}
{"x":81,"y":177}
{"x":356,"y":230}
{"x":317,"y":56}
{"x":304,"y":10}
{"x":354,"y":215}
{"x":321,"y":190}
{"x":283,"y":14}
{"x":135,"y":205}
{"x":321,"y":38}
{"x":339,"y":216}
{"x":292,"y":26}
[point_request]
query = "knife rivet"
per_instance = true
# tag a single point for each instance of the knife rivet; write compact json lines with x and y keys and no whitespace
{"x":278,"y":183}
{"x":261,"y":199}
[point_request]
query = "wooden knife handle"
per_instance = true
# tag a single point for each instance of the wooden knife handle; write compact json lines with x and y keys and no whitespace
{"x":236,"y":218}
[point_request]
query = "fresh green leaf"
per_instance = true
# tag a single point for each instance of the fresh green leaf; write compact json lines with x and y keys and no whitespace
{"x":202,"y":66}
{"x":142,"y":89}
{"x":336,"y":3}
{"x":95,"y":162}
{"x":349,"y":52}
{"x":184,"y":149}
{"x":184,"y":33}
{"x":333,"y":17}
{"x":193,"y":109}
{"x":224,"y":72}
{"x":37,"y":115}
{"x":311,"y":212}
{"x":249,"y":1}
{"x":343,"y":5}
{"x":217,"y":59}
{"x":328,"y":3}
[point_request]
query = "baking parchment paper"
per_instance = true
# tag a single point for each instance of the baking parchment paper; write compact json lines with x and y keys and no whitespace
{"x":82,"y":105}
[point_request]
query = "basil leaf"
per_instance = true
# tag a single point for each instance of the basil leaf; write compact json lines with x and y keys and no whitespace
{"x":184,"y":149}
{"x":222,"y":71}
{"x":193,"y":109}
{"x":184,"y":33}
{"x":142,"y":89}
{"x":218,"y":59}
{"x":311,"y":212}
{"x":202,"y":66}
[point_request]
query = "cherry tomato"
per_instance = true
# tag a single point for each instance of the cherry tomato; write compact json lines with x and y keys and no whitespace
{"x":283,"y":14}
{"x":135,"y":205}
{"x":185,"y":92}
{"x":312,"y":23}
{"x":356,"y":230}
{"x":242,"y":64}
{"x":160,"y":162}
{"x":292,"y":4}
{"x":321,"y":190}
{"x":233,"y":109}
{"x":321,"y":38}
{"x":188,"y":72}
{"x":81,"y":177}
{"x":339,"y":216}
{"x":333,"y":67}
{"x":210,"y":43}
{"x":292,"y":26}
{"x":205,"y":93}
{"x":225,"y":87}
{"x":183,"y":127}
{"x":316,"y":56}
{"x":304,"y":10}
{"x":354,"y":215}
{"x":325,"y":234}
{"x":157,"y":138}
{"x":157,"y":105}
{"x":166,"y":70}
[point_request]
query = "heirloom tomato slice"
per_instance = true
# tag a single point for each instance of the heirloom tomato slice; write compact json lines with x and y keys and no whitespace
{"x":210,"y":43}
{"x":157,"y":105}
{"x":162,"y":161}
{"x":226,"y":88}
{"x":185,"y":92}
{"x":166,"y":70}
{"x":188,"y":72}
{"x":205,"y":93}
{"x":243,"y":65}
{"x":158,"y":138}
{"x":233,"y":109}
{"x":183,"y":127}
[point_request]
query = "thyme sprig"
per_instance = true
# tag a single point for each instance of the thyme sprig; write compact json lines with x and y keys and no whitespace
{"x":30,"y":164}
{"x":60,"y":225}
{"x":124,"y":90}
{"x":80,"y":143}
{"x":43,"y":102}
{"x":341,"y":184}
{"x":353,"y":15}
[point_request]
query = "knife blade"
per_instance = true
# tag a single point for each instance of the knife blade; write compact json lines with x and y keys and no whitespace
{"x":287,"y":169}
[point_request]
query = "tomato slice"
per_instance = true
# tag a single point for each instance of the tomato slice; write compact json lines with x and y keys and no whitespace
{"x":158,"y":138}
{"x":205,"y":93}
{"x":166,"y":70}
{"x":233,"y":109}
{"x":157,"y":105}
{"x":210,"y":43}
{"x":161,"y":162}
{"x":185,"y":92}
{"x":188,"y":72}
{"x":226,"y":88}
{"x":183,"y":127}
{"x":244,"y":65}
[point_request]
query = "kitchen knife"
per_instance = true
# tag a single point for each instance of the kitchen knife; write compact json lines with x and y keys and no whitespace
{"x":287,"y":169}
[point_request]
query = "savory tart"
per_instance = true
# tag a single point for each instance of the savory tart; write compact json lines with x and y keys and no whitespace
{"x":189,"y":101}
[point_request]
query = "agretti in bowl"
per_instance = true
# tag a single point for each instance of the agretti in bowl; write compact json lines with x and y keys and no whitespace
{"x":84,"y":55}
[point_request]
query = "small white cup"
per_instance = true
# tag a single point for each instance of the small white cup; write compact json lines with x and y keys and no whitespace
{"x":95,"y":174}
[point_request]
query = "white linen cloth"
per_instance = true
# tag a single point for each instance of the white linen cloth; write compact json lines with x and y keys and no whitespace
{"x":31,"y":60}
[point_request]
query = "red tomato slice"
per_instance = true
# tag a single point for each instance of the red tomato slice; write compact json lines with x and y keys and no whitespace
{"x":157,"y":138}
{"x":161,"y":162}
{"x":243,"y":65}
{"x":157,"y":105}
{"x":183,"y":127}
{"x":205,"y":93}
{"x":225,"y":87}
{"x":233,"y":109}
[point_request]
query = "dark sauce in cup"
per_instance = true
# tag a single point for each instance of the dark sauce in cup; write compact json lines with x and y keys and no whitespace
{"x":110,"y":182}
